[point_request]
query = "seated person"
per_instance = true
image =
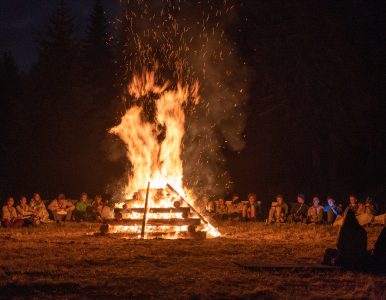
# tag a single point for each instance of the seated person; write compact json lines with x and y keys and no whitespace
{"x":298,"y":212}
{"x":201,"y":203}
{"x":221,"y":210}
{"x":10,"y":217}
{"x":61,"y":208}
{"x":83,"y":210}
{"x":351,"y":249}
{"x":379,"y":252}
{"x":252,"y":209}
{"x":332,"y":211}
{"x":235,"y":199}
{"x":210,"y":207}
{"x":25,"y":212}
{"x":278,"y":211}
{"x":38,"y":206}
{"x":353,"y":203}
{"x":107,"y":213}
{"x":97,"y":206}
{"x":315,"y":212}
{"x":235,"y":207}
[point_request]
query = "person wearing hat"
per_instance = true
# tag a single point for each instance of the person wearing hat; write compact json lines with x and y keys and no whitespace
{"x":61,"y":208}
{"x":298,"y":212}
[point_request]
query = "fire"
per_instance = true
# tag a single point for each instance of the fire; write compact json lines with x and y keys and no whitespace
{"x":154,"y":150}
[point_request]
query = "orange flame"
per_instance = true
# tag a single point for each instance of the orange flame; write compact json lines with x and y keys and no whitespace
{"x":152,"y":160}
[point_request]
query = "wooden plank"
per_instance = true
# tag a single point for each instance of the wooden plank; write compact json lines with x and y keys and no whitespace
{"x":157,"y":222}
{"x":158,"y":210}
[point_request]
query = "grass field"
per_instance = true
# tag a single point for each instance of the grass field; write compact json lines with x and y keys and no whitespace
{"x":69,"y":262}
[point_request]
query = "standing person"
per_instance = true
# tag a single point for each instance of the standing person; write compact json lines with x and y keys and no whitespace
{"x":251,"y":209}
{"x":278,"y":211}
{"x":61,"y":208}
{"x":83,"y":210}
{"x":298,"y":212}
{"x":10,"y":217}
{"x":25,"y":212}
{"x":332,"y":211}
{"x":38,"y":206}
{"x":315,"y":212}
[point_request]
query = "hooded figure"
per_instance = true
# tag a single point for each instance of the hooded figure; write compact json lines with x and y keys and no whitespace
{"x":352,"y":243}
{"x":379,"y":253}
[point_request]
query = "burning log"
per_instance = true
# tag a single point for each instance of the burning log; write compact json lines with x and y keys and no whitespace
{"x":157,"y":210}
{"x":145,"y":211}
{"x":156,"y":222}
{"x":191,"y":207}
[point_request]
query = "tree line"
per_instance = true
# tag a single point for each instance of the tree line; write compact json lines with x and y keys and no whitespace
{"x":316,"y":112}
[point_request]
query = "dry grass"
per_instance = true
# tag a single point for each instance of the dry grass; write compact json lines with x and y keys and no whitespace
{"x":69,"y":263}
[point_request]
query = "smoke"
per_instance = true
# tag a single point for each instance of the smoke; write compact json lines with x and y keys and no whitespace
{"x":189,"y":41}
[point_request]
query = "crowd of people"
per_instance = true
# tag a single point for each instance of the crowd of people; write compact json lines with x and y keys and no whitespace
{"x":61,"y":209}
{"x":282,"y":212}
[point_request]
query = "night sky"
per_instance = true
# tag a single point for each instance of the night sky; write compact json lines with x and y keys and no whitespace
{"x":22,"y":22}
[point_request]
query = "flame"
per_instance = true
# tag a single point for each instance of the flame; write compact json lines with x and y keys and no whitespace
{"x":154,"y":160}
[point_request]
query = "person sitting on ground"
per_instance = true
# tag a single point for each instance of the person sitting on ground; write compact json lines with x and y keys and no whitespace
{"x":61,"y":209}
{"x":379,"y":252}
{"x":332,"y":211}
{"x":201,"y":204}
{"x":107,"y":213}
{"x":97,"y":206}
{"x":221,"y":210}
{"x":10,"y":217}
{"x":298,"y":212}
{"x":235,"y":199}
{"x":251,"y":209}
{"x":351,"y":249}
{"x":353,"y":204}
{"x":235,"y":207}
{"x":38,"y":206}
{"x":25,"y":212}
{"x":315,"y":212}
{"x":83,"y":210}
{"x":279,"y":211}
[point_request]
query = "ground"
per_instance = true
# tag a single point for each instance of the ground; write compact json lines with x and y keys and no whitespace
{"x":69,"y":262}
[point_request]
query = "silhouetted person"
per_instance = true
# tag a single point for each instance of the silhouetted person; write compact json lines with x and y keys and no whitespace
{"x":379,"y":252}
{"x":351,"y":249}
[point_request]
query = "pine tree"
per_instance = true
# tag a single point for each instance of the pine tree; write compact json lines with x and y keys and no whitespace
{"x":97,"y":57}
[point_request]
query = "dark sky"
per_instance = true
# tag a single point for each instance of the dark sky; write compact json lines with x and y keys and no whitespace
{"x":22,"y":21}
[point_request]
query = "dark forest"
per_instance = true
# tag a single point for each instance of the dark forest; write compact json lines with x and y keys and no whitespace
{"x":316,"y":113}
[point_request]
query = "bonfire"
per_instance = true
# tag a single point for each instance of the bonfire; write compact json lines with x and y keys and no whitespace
{"x":156,"y":202}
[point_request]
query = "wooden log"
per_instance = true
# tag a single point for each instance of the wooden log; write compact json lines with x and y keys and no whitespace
{"x":191,"y":207}
{"x":158,"y":210}
{"x":156,"y":222}
{"x":145,"y":211}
